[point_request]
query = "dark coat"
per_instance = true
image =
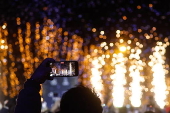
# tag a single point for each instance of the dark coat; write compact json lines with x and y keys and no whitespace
{"x":29,"y":99}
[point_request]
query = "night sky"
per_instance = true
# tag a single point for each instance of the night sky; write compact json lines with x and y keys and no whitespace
{"x":79,"y":17}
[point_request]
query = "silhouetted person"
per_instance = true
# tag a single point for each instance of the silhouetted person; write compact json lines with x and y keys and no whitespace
{"x":9,"y":106}
{"x":4,"y":109}
{"x":79,"y":99}
{"x":56,"y":105}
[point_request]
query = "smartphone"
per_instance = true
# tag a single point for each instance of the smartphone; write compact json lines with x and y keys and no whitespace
{"x":64,"y":69}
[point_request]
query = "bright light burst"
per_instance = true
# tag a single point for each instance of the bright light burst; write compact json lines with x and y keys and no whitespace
{"x":122,"y":48}
{"x":96,"y":76}
{"x":119,"y":70}
{"x":118,"y":79}
{"x":158,"y":67}
{"x":135,"y":69}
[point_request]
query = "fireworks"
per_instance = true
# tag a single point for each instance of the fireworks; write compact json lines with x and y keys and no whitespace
{"x":113,"y":69}
{"x":118,"y":79}
{"x":136,"y":66}
{"x":158,"y":67}
{"x":95,"y":78}
{"x":124,"y":63}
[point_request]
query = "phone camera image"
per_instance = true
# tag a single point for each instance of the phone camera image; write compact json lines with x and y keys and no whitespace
{"x":64,"y":69}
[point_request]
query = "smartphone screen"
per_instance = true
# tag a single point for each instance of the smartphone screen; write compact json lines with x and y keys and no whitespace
{"x":64,"y":69}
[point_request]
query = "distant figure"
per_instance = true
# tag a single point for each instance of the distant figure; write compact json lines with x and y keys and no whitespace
{"x":56,"y":106}
{"x":4,"y":109}
{"x":9,"y":106}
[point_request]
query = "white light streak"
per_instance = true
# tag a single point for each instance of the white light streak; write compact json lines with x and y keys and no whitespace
{"x":159,"y":84}
{"x":118,"y":79}
{"x":95,"y":79}
{"x":135,"y":69}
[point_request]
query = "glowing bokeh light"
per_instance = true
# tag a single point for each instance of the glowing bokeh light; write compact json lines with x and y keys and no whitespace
{"x":157,"y":63}
{"x":96,"y":76}
{"x":122,"y":48}
{"x":135,"y":72}
{"x":118,"y":79}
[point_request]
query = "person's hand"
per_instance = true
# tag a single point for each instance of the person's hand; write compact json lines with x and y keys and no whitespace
{"x":43,"y":71}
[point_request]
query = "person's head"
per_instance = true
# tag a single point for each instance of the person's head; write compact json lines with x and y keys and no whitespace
{"x":80,"y":99}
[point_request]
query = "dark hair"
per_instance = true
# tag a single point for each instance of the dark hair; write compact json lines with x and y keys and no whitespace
{"x":80,"y":99}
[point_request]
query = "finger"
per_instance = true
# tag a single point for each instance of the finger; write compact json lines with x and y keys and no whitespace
{"x":50,"y":60}
{"x":47,"y":61}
